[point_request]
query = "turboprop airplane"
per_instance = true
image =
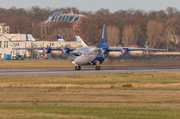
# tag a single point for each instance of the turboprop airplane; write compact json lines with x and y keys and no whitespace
{"x":114,"y":54}
{"x":80,"y":56}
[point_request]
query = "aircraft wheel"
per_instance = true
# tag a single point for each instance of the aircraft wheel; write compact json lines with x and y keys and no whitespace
{"x":98,"y":67}
{"x":77,"y":67}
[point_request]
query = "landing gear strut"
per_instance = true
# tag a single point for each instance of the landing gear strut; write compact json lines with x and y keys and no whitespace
{"x":77,"y":67}
{"x":98,"y":67}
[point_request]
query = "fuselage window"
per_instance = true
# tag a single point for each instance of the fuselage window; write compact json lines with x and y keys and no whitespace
{"x":77,"y":53}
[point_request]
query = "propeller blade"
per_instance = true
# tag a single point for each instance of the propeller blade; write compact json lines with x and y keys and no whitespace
{"x":104,"y":56}
{"x":122,"y":57}
{"x":47,"y":56}
{"x":60,"y":56}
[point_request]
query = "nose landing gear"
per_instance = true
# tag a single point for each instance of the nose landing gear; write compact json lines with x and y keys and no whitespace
{"x":77,"y":67}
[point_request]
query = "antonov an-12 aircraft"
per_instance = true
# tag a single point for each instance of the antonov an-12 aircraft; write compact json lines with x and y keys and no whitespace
{"x":80,"y":56}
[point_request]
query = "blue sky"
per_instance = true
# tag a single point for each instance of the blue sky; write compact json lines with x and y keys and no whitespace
{"x":94,"y":5}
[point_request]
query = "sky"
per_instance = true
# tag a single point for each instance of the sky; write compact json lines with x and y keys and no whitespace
{"x":94,"y":5}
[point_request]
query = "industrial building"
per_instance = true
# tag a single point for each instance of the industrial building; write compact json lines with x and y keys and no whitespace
{"x":61,"y":16}
{"x":10,"y":41}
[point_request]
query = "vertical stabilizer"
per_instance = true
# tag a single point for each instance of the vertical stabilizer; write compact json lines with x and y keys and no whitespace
{"x":30,"y":37}
{"x":78,"y":38}
{"x":104,"y":42}
{"x":59,"y":38}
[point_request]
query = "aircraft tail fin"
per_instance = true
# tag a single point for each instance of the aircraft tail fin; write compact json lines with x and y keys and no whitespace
{"x":78,"y":38}
{"x":104,"y":42}
{"x":30,"y":37}
{"x":59,"y":38}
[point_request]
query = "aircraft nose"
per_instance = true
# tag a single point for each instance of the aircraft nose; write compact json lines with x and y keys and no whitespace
{"x":73,"y":57}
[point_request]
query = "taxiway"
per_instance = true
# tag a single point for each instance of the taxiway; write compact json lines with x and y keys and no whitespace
{"x":85,"y":70}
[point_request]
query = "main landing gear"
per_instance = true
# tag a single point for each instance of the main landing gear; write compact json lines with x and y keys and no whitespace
{"x":77,"y":67}
{"x":98,"y":67}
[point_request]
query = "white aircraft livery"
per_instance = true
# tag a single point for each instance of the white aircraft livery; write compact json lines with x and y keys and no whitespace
{"x":80,"y":56}
{"x":30,"y":37}
{"x":78,"y":38}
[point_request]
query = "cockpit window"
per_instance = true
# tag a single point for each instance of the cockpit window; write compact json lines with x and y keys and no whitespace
{"x":76,"y":53}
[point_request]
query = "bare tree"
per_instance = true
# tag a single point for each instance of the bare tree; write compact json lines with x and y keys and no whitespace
{"x":137,"y":32}
{"x":113,"y":35}
{"x":66,"y":33}
{"x":154,"y":32}
{"x":170,"y":30}
{"x":103,"y":12}
{"x":128,"y":34}
{"x":171,"y":11}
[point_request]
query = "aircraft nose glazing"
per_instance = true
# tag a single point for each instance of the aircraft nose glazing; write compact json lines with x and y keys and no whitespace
{"x":73,"y":57}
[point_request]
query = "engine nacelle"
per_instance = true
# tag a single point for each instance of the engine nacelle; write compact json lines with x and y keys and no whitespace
{"x":125,"y":51}
{"x":63,"y":51}
{"x":122,"y":51}
{"x":102,"y":51}
{"x":47,"y":51}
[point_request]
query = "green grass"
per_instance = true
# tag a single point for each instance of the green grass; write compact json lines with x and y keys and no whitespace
{"x":37,"y":111}
{"x":140,"y":81}
{"x":91,"y":96}
{"x":149,"y":80}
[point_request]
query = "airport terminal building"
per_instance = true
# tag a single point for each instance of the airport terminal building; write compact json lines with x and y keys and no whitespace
{"x":10,"y":41}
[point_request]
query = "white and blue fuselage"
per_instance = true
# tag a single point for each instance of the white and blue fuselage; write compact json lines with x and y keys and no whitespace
{"x":85,"y":56}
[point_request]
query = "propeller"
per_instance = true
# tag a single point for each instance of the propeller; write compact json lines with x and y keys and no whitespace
{"x":123,"y":52}
{"x":46,"y":52}
{"x":61,"y":54}
{"x":104,"y":54}
{"x":65,"y":51}
{"x":122,"y":55}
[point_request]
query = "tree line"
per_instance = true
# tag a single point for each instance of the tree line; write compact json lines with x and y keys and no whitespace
{"x":161,"y":29}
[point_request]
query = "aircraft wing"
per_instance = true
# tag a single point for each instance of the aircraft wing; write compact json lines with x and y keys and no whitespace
{"x":61,"y":48}
{"x":132,"y":49}
{"x":29,"y":48}
{"x":128,"y":49}
{"x":48,"y":48}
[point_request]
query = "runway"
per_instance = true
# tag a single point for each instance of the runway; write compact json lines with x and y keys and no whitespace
{"x":84,"y":70}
